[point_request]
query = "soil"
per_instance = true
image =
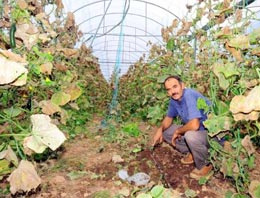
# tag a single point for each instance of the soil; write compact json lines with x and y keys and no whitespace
{"x":86,"y":168}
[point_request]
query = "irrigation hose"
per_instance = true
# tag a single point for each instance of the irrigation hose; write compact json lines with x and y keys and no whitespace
{"x":158,"y":166}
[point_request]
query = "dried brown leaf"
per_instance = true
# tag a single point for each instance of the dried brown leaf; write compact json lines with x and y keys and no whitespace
{"x":254,"y":115}
{"x":48,"y":107}
{"x":253,"y":188}
{"x":60,"y":67}
{"x":70,"y":22}
{"x":14,"y":57}
{"x":235,"y":52}
{"x":22,"y":4}
{"x":238,"y":15}
{"x":46,"y":68}
{"x":248,"y":145}
{"x":24,"y":178}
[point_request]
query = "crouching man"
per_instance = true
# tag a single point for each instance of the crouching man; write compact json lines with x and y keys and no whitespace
{"x":191,"y":137}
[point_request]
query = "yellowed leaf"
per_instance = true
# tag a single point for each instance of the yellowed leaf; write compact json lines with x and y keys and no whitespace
{"x":24,"y":178}
{"x":256,"y":51}
{"x":74,"y":91}
{"x":240,"y":42}
{"x":60,"y":98}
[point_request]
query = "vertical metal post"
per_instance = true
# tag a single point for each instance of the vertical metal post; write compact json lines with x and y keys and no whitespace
{"x":145,"y":18}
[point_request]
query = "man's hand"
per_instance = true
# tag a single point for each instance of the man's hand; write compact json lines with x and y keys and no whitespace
{"x":157,"y":138}
{"x":175,"y":136}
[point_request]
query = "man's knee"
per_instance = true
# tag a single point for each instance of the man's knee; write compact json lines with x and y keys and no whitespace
{"x":167,"y":136}
{"x":190,"y":137}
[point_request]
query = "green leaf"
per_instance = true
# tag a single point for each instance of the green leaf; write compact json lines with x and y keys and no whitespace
{"x":155,"y":113}
{"x":4,"y":167}
{"x":12,"y":112}
{"x":144,"y":195}
{"x":132,"y":129}
{"x":76,"y":174}
{"x":157,"y":191}
{"x":254,"y":36}
{"x":170,"y":44}
{"x":203,"y":180}
{"x":136,"y":150}
{"x":251,"y":161}
{"x":228,"y":194}
{"x":201,"y":104}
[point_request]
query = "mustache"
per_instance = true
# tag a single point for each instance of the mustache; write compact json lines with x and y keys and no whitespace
{"x":174,"y":94}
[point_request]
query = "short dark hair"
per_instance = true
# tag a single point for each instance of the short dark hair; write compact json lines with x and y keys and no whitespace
{"x":175,"y":77}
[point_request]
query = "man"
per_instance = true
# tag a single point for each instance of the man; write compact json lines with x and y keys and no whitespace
{"x":191,"y":137}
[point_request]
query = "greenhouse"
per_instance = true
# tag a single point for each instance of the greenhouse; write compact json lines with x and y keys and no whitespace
{"x":130,"y":98}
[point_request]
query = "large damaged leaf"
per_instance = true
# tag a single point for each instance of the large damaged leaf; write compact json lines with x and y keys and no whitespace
{"x":28,"y":33}
{"x":10,"y":70}
{"x":228,"y":69}
{"x":224,"y":72}
{"x":24,"y":178}
{"x":216,"y":124}
{"x":45,"y":134}
{"x":246,"y":116}
{"x":246,"y":107}
{"x":246,"y":104}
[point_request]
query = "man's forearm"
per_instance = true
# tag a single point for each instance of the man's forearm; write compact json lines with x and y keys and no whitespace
{"x":192,"y":125}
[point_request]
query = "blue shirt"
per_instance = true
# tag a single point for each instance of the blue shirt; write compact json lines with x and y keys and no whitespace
{"x":186,"y":108}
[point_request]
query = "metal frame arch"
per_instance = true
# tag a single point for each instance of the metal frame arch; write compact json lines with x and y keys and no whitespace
{"x":126,"y":41}
{"x":125,"y":26}
{"x":86,"y":5}
{"x":115,"y":13}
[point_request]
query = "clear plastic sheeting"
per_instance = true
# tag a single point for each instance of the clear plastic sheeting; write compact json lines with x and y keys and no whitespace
{"x":142,"y":22}
{"x":138,"y":179}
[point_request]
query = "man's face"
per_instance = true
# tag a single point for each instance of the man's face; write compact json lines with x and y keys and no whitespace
{"x":174,"y":88}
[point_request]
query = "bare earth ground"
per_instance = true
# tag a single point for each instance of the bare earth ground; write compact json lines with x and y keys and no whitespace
{"x":86,"y":169}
